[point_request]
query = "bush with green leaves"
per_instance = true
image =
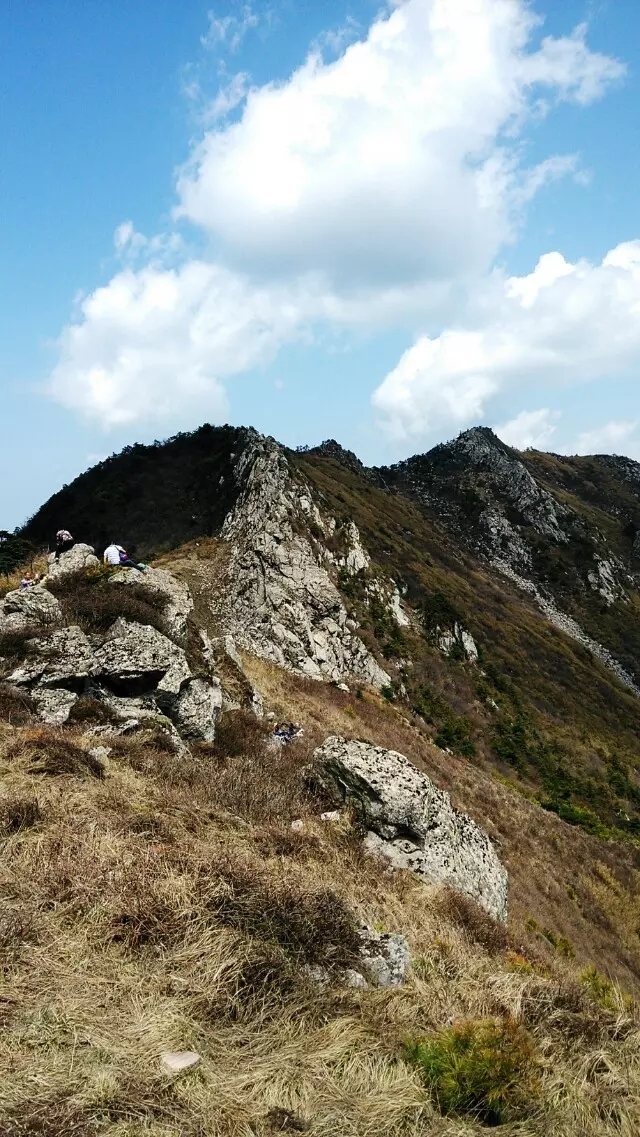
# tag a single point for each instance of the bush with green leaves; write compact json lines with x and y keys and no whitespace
{"x":487,"y":1069}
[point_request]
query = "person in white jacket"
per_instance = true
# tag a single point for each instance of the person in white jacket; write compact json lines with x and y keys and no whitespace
{"x":116,"y":555}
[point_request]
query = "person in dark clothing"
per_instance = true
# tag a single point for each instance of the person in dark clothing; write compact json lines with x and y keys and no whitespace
{"x":64,"y":541}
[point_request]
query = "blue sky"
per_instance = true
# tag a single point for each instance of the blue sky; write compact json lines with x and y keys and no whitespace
{"x":201,"y":224}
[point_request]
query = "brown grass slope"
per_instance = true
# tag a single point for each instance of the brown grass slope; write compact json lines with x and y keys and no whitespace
{"x":157,"y":903}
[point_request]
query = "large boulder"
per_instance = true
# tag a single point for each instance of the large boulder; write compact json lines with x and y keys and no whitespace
{"x":174,"y":593}
{"x":411,"y":822}
{"x":136,"y":657}
{"x":137,"y":660}
{"x":34,"y":606}
{"x":79,"y":558}
{"x":63,"y":659}
{"x":136,"y":670}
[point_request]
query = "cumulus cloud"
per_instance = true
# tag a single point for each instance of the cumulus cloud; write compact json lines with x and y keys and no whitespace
{"x":563,"y":323}
{"x":386,"y":163}
{"x":158,"y":342}
{"x":369,"y":191}
{"x":533,"y":429}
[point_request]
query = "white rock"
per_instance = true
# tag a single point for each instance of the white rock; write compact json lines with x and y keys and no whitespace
{"x":297,"y":825}
{"x":331,"y":815}
{"x":175,"y":1061}
{"x":411,"y":822}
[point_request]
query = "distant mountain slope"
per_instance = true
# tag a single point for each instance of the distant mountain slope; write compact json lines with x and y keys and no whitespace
{"x":495,"y":593}
{"x":149,"y":498}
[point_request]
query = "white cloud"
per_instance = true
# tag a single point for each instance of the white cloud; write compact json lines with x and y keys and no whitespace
{"x":229,"y":31}
{"x":157,"y":343}
{"x":366,"y":192}
{"x":606,"y":438}
{"x":533,"y":429}
{"x":563,"y":323}
{"x":389,"y":163}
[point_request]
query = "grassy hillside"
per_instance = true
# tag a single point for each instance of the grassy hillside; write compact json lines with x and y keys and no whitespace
{"x":155,"y":903}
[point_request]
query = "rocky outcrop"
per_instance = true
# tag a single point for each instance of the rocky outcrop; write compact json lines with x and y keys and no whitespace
{"x":569,"y":626}
{"x":33,"y":607}
{"x":484,"y":492}
{"x":457,"y":641}
{"x":77,"y":559}
{"x":383,"y":960}
{"x":410,"y":822}
{"x":174,"y":594}
{"x":281,"y":602}
{"x":136,"y":670}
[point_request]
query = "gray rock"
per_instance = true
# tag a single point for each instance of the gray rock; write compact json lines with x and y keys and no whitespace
{"x":411,"y":822}
{"x":63,"y":659}
{"x":80,"y":558}
{"x":53,"y":703}
{"x":35,"y":605}
{"x":198,"y":706}
{"x":280,"y":603}
{"x":384,"y":958}
{"x":135,"y":657}
{"x":175,"y":594}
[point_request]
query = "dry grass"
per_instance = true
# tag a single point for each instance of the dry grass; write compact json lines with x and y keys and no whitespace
{"x":47,"y":750}
{"x":555,"y":870}
{"x":16,"y":706}
{"x":169,"y":905}
{"x":93,"y":602}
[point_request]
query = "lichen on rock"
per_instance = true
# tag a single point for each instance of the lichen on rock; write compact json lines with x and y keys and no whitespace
{"x":410,"y":822}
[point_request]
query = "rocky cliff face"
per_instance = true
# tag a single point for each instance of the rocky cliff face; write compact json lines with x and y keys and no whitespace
{"x":485,"y":494}
{"x":133,"y":671}
{"x":281,"y":601}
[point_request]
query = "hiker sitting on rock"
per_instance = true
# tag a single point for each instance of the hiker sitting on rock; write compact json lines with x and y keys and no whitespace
{"x":116,"y":555}
{"x":64,"y":541}
{"x":27,"y":582}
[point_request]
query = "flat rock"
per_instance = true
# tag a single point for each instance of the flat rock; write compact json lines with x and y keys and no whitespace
{"x":175,"y":1061}
{"x":410,"y":822}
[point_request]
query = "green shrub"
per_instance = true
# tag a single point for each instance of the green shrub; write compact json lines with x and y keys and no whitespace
{"x":561,"y":944}
{"x":453,"y":730}
{"x":599,"y":987}
{"x":487,"y":1069}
